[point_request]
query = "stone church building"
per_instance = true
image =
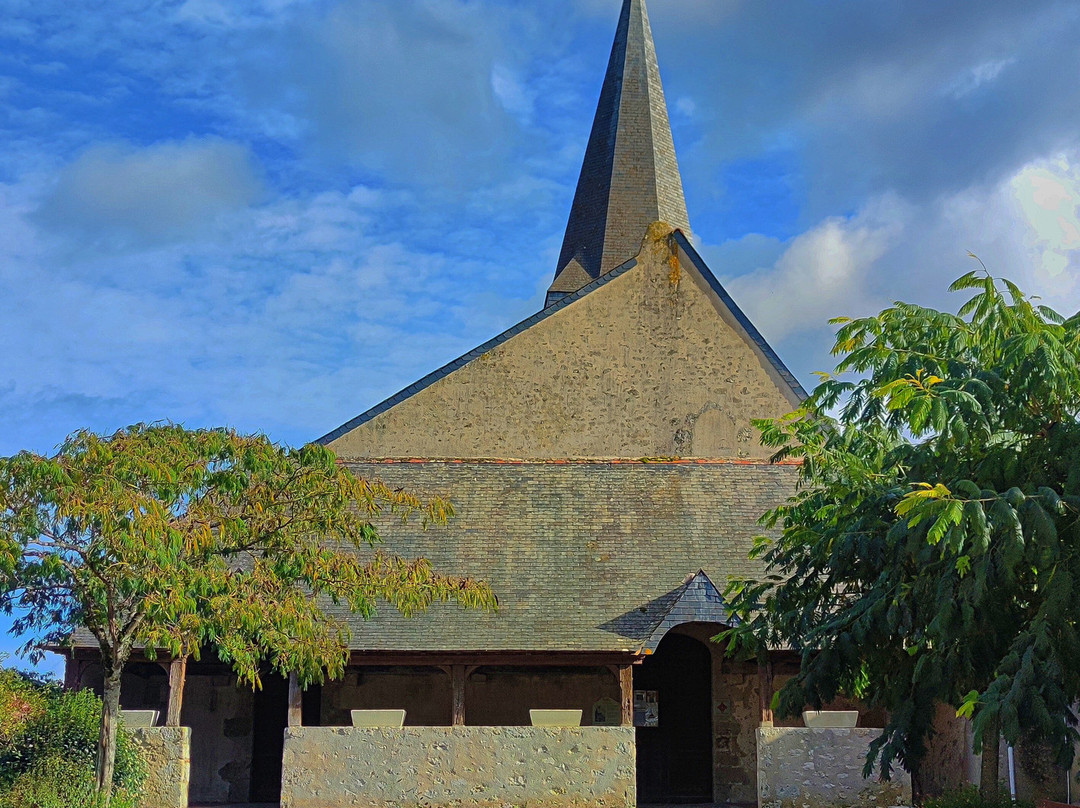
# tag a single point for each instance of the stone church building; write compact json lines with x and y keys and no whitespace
{"x":607,"y":478}
{"x":608,"y":482}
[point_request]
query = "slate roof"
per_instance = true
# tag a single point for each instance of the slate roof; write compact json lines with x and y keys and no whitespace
{"x":583,"y":556}
{"x":688,"y":250}
{"x":630,"y":175}
{"x":699,"y":600}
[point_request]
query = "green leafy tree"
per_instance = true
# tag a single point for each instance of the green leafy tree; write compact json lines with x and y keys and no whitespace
{"x":932,"y":550}
{"x":173,"y":540}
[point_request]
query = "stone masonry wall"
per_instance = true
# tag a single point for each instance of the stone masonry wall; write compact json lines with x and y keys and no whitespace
{"x":650,"y":365}
{"x":951,"y":763}
{"x":822,"y":768}
{"x":466,"y":767}
{"x":736,"y":717}
{"x":219,"y":713}
{"x":166,"y":751}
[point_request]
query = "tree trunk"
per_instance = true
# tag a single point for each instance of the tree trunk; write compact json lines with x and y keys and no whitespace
{"x":991,"y":746}
{"x":110,"y":720}
{"x":917,"y":794}
{"x":177,"y":680}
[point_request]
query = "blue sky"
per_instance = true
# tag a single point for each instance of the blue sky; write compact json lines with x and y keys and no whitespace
{"x":272,"y":214}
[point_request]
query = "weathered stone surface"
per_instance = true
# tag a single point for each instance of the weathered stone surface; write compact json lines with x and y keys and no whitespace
{"x":651,"y":364}
{"x":951,"y":763}
{"x":167,"y":754}
{"x":464,"y":767}
{"x":736,"y":716}
{"x":822,"y":768}
{"x":220,"y":715}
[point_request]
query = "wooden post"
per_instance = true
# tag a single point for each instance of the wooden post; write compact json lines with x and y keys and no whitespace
{"x":457,"y":678}
{"x":177,"y":679}
{"x":626,"y":685}
{"x":765,"y":688}
{"x":296,"y":702}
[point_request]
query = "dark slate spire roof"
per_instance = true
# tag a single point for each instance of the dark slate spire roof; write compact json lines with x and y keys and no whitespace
{"x":630,"y":177}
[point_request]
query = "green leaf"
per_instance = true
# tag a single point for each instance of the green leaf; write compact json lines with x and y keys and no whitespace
{"x":968,"y":706}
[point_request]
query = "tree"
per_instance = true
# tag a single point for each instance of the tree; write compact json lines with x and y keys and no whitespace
{"x":932,"y":550}
{"x":174,"y":540}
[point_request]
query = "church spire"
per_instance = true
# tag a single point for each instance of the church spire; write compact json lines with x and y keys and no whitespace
{"x":630,"y":178}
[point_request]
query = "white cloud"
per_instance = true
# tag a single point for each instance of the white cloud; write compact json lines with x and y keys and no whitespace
{"x":686,"y":106}
{"x":415,"y":90}
{"x":289,"y":316}
{"x":973,"y":78}
{"x":1025,"y":228}
{"x":1048,"y":196}
{"x":825,"y":272}
{"x":232,"y":13}
{"x":512,"y":93}
{"x":118,"y":194}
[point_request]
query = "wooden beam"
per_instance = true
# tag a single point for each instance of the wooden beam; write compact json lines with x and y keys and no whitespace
{"x":296,"y":702}
{"x":457,"y":678}
{"x":177,"y":679}
{"x":427,"y":659}
{"x":626,"y":686}
{"x":765,"y":689}
{"x":525,"y":659}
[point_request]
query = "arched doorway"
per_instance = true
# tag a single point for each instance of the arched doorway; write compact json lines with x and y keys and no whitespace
{"x":674,"y":758}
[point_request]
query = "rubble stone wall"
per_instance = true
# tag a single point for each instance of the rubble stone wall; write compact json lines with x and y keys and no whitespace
{"x":822,"y":768}
{"x":166,"y":752}
{"x":464,"y":767}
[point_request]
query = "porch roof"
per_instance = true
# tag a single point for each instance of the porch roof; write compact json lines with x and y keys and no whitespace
{"x":582,"y":555}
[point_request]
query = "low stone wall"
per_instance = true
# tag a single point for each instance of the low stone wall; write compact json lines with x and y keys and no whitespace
{"x":822,"y":768}
{"x":166,"y":752}
{"x":464,"y":767}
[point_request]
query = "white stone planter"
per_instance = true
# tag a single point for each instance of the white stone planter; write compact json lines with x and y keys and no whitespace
{"x":140,"y":719}
{"x":555,"y":718}
{"x":830,"y":719}
{"x":375,"y":719}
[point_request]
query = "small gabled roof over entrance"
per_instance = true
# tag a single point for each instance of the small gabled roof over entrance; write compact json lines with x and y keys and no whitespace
{"x":696,"y":601}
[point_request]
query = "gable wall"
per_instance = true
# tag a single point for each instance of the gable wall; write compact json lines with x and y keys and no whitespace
{"x":640,"y":367}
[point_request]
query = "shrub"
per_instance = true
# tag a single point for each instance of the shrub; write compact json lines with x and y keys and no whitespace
{"x":969,"y":797}
{"x":21,"y":700}
{"x":48,"y":747}
{"x":67,"y":729}
{"x":57,"y":783}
